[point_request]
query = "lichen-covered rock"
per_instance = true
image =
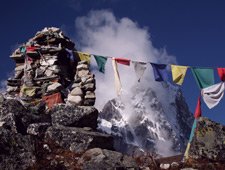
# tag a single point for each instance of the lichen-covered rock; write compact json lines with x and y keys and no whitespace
{"x":17,"y":118}
{"x":37,"y":128}
{"x":102,"y":159}
{"x":16,"y":150}
{"x":208,"y":141}
{"x":78,"y":139}
{"x":74,"y":116}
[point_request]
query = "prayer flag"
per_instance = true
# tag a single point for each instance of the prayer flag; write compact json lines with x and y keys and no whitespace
{"x":198,"y":111}
{"x":23,"y":49}
{"x":190,"y":139}
{"x":53,"y":99}
{"x":221,"y":72}
{"x":31,"y":48}
{"x":85,"y":57}
{"x":160,"y":72}
{"x":123,"y":61}
{"x":139,"y":68}
{"x":101,"y":61}
{"x":203,"y":76}
{"x":178,"y":73}
{"x":117,"y":78}
{"x":213,"y":94}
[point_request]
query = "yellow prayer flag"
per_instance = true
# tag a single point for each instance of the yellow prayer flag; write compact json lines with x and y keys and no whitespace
{"x":186,"y":156}
{"x":27,"y":91}
{"x":85,"y":57}
{"x":178,"y":73}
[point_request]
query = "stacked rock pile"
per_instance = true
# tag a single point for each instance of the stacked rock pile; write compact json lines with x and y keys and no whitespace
{"x":45,"y":69}
{"x":83,"y":87}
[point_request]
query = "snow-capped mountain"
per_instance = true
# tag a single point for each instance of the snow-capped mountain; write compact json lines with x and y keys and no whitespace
{"x":148,"y":121}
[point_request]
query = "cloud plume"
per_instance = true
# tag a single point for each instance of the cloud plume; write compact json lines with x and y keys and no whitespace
{"x":101,"y":33}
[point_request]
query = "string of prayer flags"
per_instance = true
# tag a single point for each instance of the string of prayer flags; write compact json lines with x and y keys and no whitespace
{"x":123,"y":61}
{"x":178,"y":73}
{"x":160,"y":72}
{"x":221,"y":72}
{"x":198,"y":111}
{"x":117,"y":78}
{"x":139,"y":68}
{"x":101,"y":61}
{"x":213,"y":94}
{"x":203,"y":76}
{"x":85,"y":57}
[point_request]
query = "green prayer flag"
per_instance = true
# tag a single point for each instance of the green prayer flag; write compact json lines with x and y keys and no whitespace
{"x":203,"y":76}
{"x":101,"y":61}
{"x":192,"y":131}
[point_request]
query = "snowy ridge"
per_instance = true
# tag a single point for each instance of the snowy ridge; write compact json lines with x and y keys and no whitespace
{"x":148,"y":120}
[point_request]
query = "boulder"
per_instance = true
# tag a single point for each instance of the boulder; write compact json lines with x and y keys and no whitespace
{"x":74,"y":116}
{"x":16,"y":150}
{"x":37,"y":129}
{"x":89,"y":102}
{"x":75,"y":85}
{"x":102,"y":159}
{"x":54,"y":87}
{"x":17,"y":118}
{"x":82,"y":67}
{"x":89,"y":87}
{"x":82,"y":73}
{"x":90,"y":80}
{"x":77,"y":100}
{"x":78,"y":139}
{"x":77,"y":92}
{"x":89,"y":95}
{"x":208,"y":141}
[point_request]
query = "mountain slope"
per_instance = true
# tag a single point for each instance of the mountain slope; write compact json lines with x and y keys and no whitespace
{"x":148,"y":121}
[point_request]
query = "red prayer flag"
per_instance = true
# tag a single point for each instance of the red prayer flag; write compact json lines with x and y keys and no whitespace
{"x":221,"y":72}
{"x":123,"y":61}
{"x":53,"y":99}
{"x":31,"y":48}
{"x":198,"y":111}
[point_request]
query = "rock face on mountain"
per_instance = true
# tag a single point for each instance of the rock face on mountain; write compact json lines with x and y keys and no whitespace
{"x":47,"y":117}
{"x":152,"y":122}
{"x":208,"y":141}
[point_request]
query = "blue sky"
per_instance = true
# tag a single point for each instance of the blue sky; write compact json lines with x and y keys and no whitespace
{"x":192,"y":31}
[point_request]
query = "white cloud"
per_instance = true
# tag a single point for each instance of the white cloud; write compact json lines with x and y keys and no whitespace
{"x":100,"y":32}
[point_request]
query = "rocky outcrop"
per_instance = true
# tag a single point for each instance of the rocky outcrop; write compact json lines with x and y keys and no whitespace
{"x":74,"y":116}
{"x":78,"y":139}
{"x":16,"y":150}
{"x":102,"y":159}
{"x":208,"y":141}
{"x":17,"y":118}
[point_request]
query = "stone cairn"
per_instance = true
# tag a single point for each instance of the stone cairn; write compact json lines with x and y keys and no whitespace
{"x":44,"y":73}
{"x":83,"y":86}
